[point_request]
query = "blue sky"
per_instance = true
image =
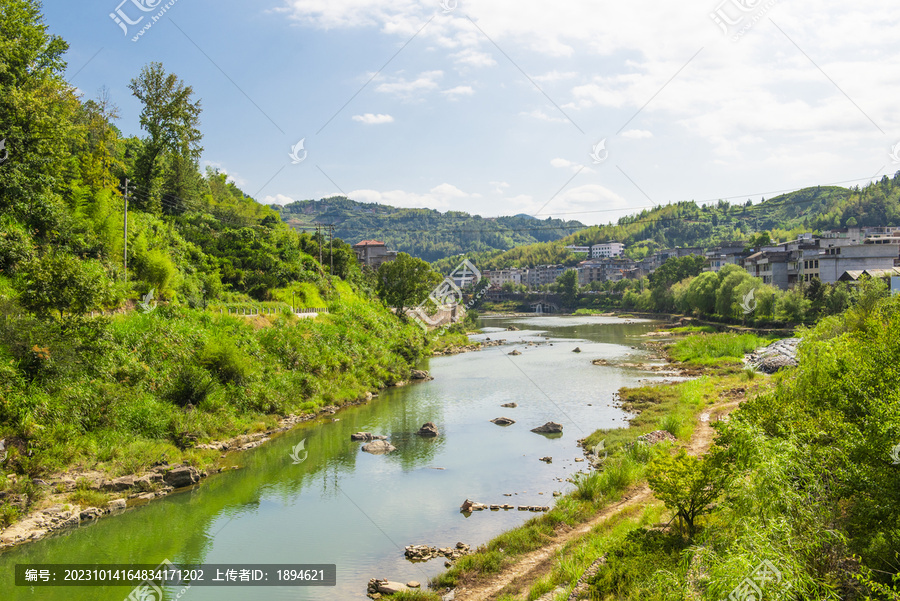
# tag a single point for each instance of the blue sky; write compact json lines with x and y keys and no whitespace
{"x":582,"y":109}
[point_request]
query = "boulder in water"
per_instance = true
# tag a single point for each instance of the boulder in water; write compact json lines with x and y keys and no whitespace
{"x":549,"y":428}
{"x":428,"y":429}
{"x":378,"y":447}
{"x":503,"y":421}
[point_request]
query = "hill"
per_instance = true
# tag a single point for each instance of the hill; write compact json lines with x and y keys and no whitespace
{"x":424,"y":233}
{"x":689,"y":224}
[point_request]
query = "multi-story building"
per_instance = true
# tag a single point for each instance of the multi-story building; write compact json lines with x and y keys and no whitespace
{"x":372,"y":253}
{"x":579,"y":250}
{"x":607,"y":249}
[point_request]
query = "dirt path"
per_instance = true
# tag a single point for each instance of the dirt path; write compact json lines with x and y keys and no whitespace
{"x":533,"y":565}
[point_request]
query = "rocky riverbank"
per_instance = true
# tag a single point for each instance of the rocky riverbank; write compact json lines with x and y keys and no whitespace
{"x":56,"y":512}
{"x":467,"y":348}
{"x":776,"y":356}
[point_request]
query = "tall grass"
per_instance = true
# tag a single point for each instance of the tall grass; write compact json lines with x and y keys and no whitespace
{"x":705,"y":349}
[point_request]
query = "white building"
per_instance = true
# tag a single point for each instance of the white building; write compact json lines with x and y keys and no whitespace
{"x":607,"y":250}
{"x":584,"y":250}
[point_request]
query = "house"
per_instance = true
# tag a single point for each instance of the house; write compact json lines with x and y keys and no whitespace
{"x":607,"y":250}
{"x":372,"y":253}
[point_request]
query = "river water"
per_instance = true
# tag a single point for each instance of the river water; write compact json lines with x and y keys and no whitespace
{"x":346,"y":507}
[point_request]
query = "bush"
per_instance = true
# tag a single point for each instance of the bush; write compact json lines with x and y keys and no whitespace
{"x":226,"y":361}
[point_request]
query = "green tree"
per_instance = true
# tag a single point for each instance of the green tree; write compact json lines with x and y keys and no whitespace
{"x":568,"y":286}
{"x":673,"y":270}
{"x":688,"y":485}
{"x":405,"y":282}
{"x":170,"y":117}
{"x":61,"y":282}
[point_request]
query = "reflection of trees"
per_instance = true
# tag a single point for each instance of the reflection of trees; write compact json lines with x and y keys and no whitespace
{"x":183,"y":526}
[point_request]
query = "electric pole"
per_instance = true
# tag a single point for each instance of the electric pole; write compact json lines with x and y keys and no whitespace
{"x":125,"y":234}
{"x":331,"y":249}
{"x":319,"y":240}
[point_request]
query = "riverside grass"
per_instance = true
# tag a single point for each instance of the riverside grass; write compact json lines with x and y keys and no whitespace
{"x":144,"y":387}
{"x":659,"y":406}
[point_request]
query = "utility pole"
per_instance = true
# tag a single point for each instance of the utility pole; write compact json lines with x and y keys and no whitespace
{"x":331,"y":248}
{"x":319,"y":240}
{"x":125,"y":234}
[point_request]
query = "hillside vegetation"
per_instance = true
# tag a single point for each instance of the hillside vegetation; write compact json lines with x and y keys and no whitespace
{"x":423,"y":233}
{"x":688,"y":224}
{"x":103,"y":367}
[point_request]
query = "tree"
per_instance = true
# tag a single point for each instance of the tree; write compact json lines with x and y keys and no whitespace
{"x":405,"y":282}
{"x":673,"y":270}
{"x":686,"y":484}
{"x":171,"y":119}
{"x":61,"y":282}
{"x":568,"y":286}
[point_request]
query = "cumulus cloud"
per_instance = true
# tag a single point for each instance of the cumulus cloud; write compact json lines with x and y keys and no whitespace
{"x":372,"y":119}
{"x":459,"y":91}
{"x":277,"y":199}
{"x":400,"y":86}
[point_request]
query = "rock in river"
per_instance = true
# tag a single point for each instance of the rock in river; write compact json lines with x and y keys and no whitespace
{"x":378,"y":447}
{"x":510,"y":405}
{"x":420,"y":374}
{"x":549,"y":428}
{"x":503,"y":421}
{"x":577,"y":349}
{"x":367,"y":436}
{"x":183,"y":475}
{"x":428,"y":429}
{"x":514,"y":353}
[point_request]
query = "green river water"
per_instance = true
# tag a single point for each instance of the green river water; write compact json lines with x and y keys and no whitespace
{"x":355,"y":510}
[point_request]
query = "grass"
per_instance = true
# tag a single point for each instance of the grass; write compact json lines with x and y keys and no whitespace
{"x":414,"y":595}
{"x":692,"y":330}
{"x":716,"y":349}
{"x":119,"y":393}
{"x":88,"y":498}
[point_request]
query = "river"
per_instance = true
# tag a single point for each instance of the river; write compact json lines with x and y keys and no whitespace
{"x":346,"y":507}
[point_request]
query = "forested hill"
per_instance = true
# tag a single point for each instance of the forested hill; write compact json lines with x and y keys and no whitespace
{"x":424,"y":233}
{"x":689,"y":224}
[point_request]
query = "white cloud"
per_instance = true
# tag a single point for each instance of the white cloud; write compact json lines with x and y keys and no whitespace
{"x":277,"y":199}
{"x":474,"y":58}
{"x":571,"y":165}
{"x":372,"y":119}
{"x":399,"y":86}
{"x":637,"y":134}
{"x":542,"y":116}
{"x":499,"y":187}
{"x":590,"y":203}
{"x":459,"y":91}
{"x":442,"y":197}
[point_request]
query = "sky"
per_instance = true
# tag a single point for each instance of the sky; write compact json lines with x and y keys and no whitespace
{"x":576,"y":109}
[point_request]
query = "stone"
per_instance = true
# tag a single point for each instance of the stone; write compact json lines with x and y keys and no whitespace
{"x":547,"y":459}
{"x":386,"y":587}
{"x":366,"y":436}
{"x":549,"y":428}
{"x":579,"y":459}
{"x":413,"y":584}
{"x":428,"y":429}
{"x":117,"y":504}
{"x":509,"y":405}
{"x":512,"y":329}
{"x":469,"y":506}
{"x":514,"y":353}
{"x":118,"y":485}
{"x":181,"y":476}
{"x":378,"y":447}
{"x":420,"y":374}
{"x":655,"y":437}
{"x":90,"y":513}
{"x":503,"y":421}
{"x":577,"y":349}
{"x":143,"y":484}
